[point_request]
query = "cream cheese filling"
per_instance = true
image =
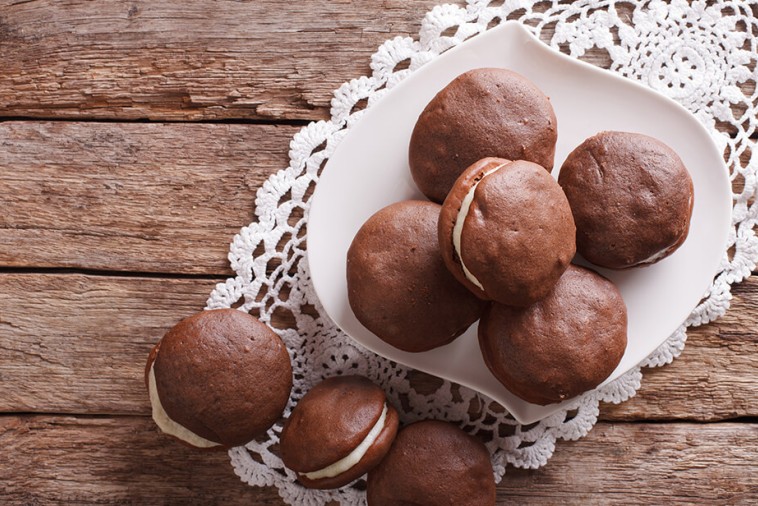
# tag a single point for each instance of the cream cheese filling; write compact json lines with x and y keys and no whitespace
{"x":346,"y":463}
{"x":165,"y":422}
{"x":458,"y":227}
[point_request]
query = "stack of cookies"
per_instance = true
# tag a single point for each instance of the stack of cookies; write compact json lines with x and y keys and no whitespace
{"x":495,"y":242}
{"x":498,"y":236}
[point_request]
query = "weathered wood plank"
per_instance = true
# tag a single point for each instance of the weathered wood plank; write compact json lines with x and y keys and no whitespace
{"x":715,"y":378}
{"x":712,"y":464}
{"x":190,"y":60}
{"x":78,"y":344}
{"x":118,"y":460}
{"x":131,"y":197}
{"x":135,"y":197}
{"x":61,"y":460}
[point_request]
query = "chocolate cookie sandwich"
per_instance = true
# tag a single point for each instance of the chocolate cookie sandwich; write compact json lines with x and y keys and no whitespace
{"x":338,"y":431}
{"x":561,"y":346}
{"x":218,"y":378}
{"x":433,"y":462}
{"x":506,"y":231}
{"x":398,"y":285}
{"x":631,"y":196}
{"x":484,"y":112}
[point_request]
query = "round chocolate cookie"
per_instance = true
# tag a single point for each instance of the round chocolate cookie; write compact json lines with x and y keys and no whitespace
{"x":398,"y":285}
{"x":338,"y":431}
{"x":506,"y":231}
{"x":631,"y":197}
{"x":561,"y":346}
{"x":433,"y":462}
{"x":484,"y":112}
{"x":218,"y":378}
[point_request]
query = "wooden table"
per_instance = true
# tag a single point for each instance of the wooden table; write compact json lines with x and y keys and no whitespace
{"x":134,"y":136}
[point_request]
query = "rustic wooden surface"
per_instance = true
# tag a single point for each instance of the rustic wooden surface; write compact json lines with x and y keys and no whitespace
{"x":260,"y":59}
{"x":116,"y":196}
{"x":88,"y":460}
{"x":113,"y":229}
{"x":85,"y":352}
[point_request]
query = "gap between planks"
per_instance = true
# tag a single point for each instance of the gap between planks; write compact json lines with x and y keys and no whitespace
{"x":58,"y":271}
{"x":226,"y":121}
{"x":744,"y":420}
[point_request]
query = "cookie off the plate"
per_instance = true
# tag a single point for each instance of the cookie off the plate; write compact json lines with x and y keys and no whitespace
{"x":218,"y":378}
{"x":435,"y":463}
{"x":506,"y":231}
{"x":483,"y":112}
{"x":398,"y":285}
{"x":561,"y":346}
{"x":338,"y":431}
{"x":631,"y":197}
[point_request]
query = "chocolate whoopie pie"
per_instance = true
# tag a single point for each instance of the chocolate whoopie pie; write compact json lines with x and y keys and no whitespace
{"x":631,"y":196}
{"x":561,"y":346}
{"x":506,"y":231}
{"x":398,"y":285}
{"x":338,"y":431}
{"x":218,"y":378}
{"x":484,"y":112}
{"x":433,"y":462}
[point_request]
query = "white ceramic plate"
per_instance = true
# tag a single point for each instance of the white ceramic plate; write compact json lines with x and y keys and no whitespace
{"x":369,"y":170}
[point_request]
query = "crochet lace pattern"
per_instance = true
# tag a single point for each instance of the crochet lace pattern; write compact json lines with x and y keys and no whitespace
{"x":697,"y":54}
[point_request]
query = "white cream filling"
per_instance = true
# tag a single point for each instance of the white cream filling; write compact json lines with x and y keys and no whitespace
{"x":458,"y":228}
{"x":663,"y":252}
{"x":653,"y":258}
{"x":346,"y":463}
{"x":165,"y":422}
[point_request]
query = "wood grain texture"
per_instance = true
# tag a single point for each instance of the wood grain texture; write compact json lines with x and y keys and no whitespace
{"x":78,"y":344}
{"x":53,"y":459}
{"x":190,"y":60}
{"x":131,"y":196}
{"x":715,"y":378}
{"x":712,"y":464}
{"x":139,"y":197}
{"x":66,"y":460}
{"x":260,"y":59}
{"x":167,"y":198}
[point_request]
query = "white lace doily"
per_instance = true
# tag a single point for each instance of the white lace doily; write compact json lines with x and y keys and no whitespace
{"x":702,"y":56}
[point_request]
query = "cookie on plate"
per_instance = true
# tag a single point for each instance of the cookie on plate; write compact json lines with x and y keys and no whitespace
{"x":483,"y":112}
{"x":398,"y":285}
{"x":506,"y":231}
{"x":631,"y":196}
{"x":338,"y":431}
{"x":433,"y":462}
{"x":218,"y":378}
{"x":561,"y":346}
